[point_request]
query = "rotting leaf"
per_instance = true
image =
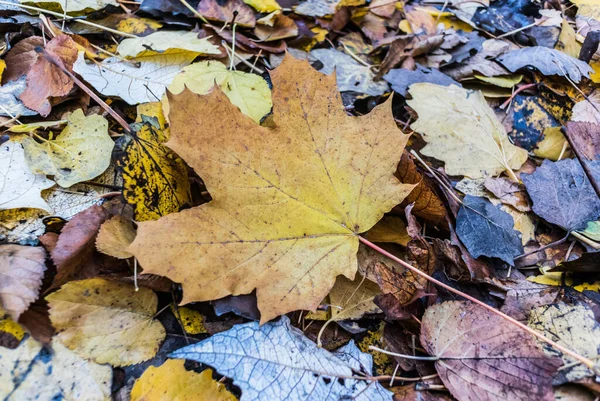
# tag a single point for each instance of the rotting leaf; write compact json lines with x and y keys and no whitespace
{"x":276,"y":361}
{"x":106,"y":321}
{"x":485,"y":230}
{"x":171,"y":381}
{"x":463,"y":131}
{"x":483,"y":358}
{"x":21,"y":269}
{"x":155,"y":179}
{"x":285,"y":212}
{"x":574,"y":327}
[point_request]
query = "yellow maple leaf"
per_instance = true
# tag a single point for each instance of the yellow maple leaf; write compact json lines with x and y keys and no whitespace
{"x":463,"y":131}
{"x":171,"y":381}
{"x":106,"y":321}
{"x":288,"y":201}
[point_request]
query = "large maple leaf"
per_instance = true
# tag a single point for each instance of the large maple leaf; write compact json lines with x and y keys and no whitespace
{"x":288,"y":201}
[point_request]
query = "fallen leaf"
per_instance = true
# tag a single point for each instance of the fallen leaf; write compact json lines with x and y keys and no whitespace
{"x":573,"y":202}
{"x":317,"y":8}
{"x":507,"y":81}
{"x":485,"y":230}
{"x":46,"y":80}
{"x":351,"y":76}
{"x":427,"y":204}
{"x":275,"y":26}
{"x":588,"y":110}
{"x":228,"y":11}
{"x":106,"y":321}
{"x":73,"y":7}
{"x":291,"y":366}
{"x":263,"y":6}
{"x":482,"y":63}
{"x":298,"y":174}
{"x":166,"y":42}
{"x":567,"y":41}
{"x":175,"y":7}
{"x":74,"y":251}
{"x":11,"y":332}
{"x":249,"y":92}
{"x":547,"y":61}
{"x":352,"y":299}
{"x":553,"y":146}
{"x":483,"y":358}
{"x":572,"y":393}
{"x":191,"y":320}
{"x":583,"y":135}
{"x":412,"y":393}
{"x":155,"y":179}
{"x":389,"y":229}
{"x":32,"y":372}
{"x":139,"y":80}
{"x":21,"y":188}
{"x":21,"y":58}
{"x":524,"y":296}
{"x":402,"y":78}
{"x":9,"y":98}
{"x":508,"y":192}
{"x":574,"y":327}
{"x":171,"y":381}
{"x":458,"y":124}
{"x":22,"y":269}
{"x":115,"y":236}
{"x":79,"y":153}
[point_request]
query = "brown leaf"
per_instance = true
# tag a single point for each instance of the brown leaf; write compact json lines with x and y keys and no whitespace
{"x":278,"y":27}
{"x":585,"y":138}
{"x":73,"y":254}
{"x":483,"y":358}
{"x":21,"y":270}
{"x":509,"y":192}
{"x":37,"y":321}
{"x":223,"y":11}
{"x":523,"y":296}
{"x":45,"y":80}
{"x":427,"y":204}
{"x":21,"y":58}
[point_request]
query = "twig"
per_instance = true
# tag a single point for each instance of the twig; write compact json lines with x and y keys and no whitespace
{"x":522,"y":28}
{"x":246,"y":62}
{"x":59,"y":15}
{"x":550,"y":245}
{"x":515,"y":93}
{"x":586,"y":361}
{"x":194,"y":11}
{"x":411,"y":357}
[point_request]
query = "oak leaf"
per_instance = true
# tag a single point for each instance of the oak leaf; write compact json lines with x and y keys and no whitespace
{"x":286,"y":211}
{"x":463,"y":131}
{"x":106,"y":321}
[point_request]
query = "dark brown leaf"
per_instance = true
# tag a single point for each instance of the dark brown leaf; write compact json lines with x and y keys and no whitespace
{"x":21,"y":58}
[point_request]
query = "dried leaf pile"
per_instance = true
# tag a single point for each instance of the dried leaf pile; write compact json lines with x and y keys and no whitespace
{"x":299,"y":200}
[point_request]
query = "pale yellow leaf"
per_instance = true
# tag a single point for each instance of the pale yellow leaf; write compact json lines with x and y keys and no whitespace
{"x":352,"y":299}
{"x":166,"y":42}
{"x":115,"y":236}
{"x":263,"y":6}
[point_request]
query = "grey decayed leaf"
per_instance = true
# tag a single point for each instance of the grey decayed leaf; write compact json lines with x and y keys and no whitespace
{"x":351,"y":76}
{"x":481,"y":358}
{"x":562,"y":194}
{"x":574,"y":327}
{"x":276,"y":361}
{"x":9,"y":99}
{"x":487,"y":231}
{"x":317,"y":8}
{"x":547,"y":61}
{"x":481,"y":62}
{"x":401,"y":78}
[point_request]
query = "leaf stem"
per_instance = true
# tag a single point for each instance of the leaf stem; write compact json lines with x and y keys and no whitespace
{"x":586,"y":361}
{"x":411,"y":357}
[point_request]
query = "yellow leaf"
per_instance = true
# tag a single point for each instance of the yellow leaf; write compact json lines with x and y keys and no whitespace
{"x":389,"y":229}
{"x":567,"y":40}
{"x":352,"y":299}
{"x":10,"y":331}
{"x":595,"y":76}
{"x":263,"y":6}
{"x":247,"y":91}
{"x":115,"y":236}
{"x":72,"y":7}
{"x":79,"y":153}
{"x":25,"y":128}
{"x":171,"y":381}
{"x":152,"y":109}
{"x":553,"y":145}
{"x":106,"y":321}
{"x":451,"y":22}
{"x":288,"y":201}
{"x":555,"y":279}
{"x":191,"y":320}
{"x":320,"y":35}
{"x":507,"y":81}
{"x":463,"y":131}
{"x":2,"y":68}
{"x":32,"y":372}
{"x":155,"y":180}
{"x":166,"y":42}
{"x":138,"y":25}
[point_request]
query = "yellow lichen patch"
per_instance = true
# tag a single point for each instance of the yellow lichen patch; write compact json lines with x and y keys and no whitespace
{"x":191,"y":320}
{"x":106,"y":321}
{"x":171,"y":381}
{"x":382,"y":363}
{"x":155,"y":179}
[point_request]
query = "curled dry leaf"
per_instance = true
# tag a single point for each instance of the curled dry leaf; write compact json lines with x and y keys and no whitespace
{"x":482,"y":358}
{"x":115,"y":236}
{"x":285,"y":212}
{"x":32,"y":372}
{"x":46,"y":80}
{"x":574,"y":327}
{"x":171,"y":381}
{"x":508,"y":192}
{"x":106,"y":321}
{"x":276,"y":361}
{"x":21,"y":188}
{"x":79,"y":153}
{"x":463,"y":131}
{"x":21,"y":269}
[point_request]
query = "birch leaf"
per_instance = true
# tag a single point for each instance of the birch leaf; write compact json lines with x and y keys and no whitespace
{"x":21,"y":188}
{"x":139,"y":80}
{"x":166,"y":42}
{"x":276,"y":361}
{"x":463,"y":131}
{"x":285,"y":211}
{"x":247,"y":91}
{"x":108,"y":322}
{"x":79,"y":153}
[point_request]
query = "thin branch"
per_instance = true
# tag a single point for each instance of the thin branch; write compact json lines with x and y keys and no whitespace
{"x":194,"y":11}
{"x":411,"y":357}
{"x":550,"y":245}
{"x":586,"y":361}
